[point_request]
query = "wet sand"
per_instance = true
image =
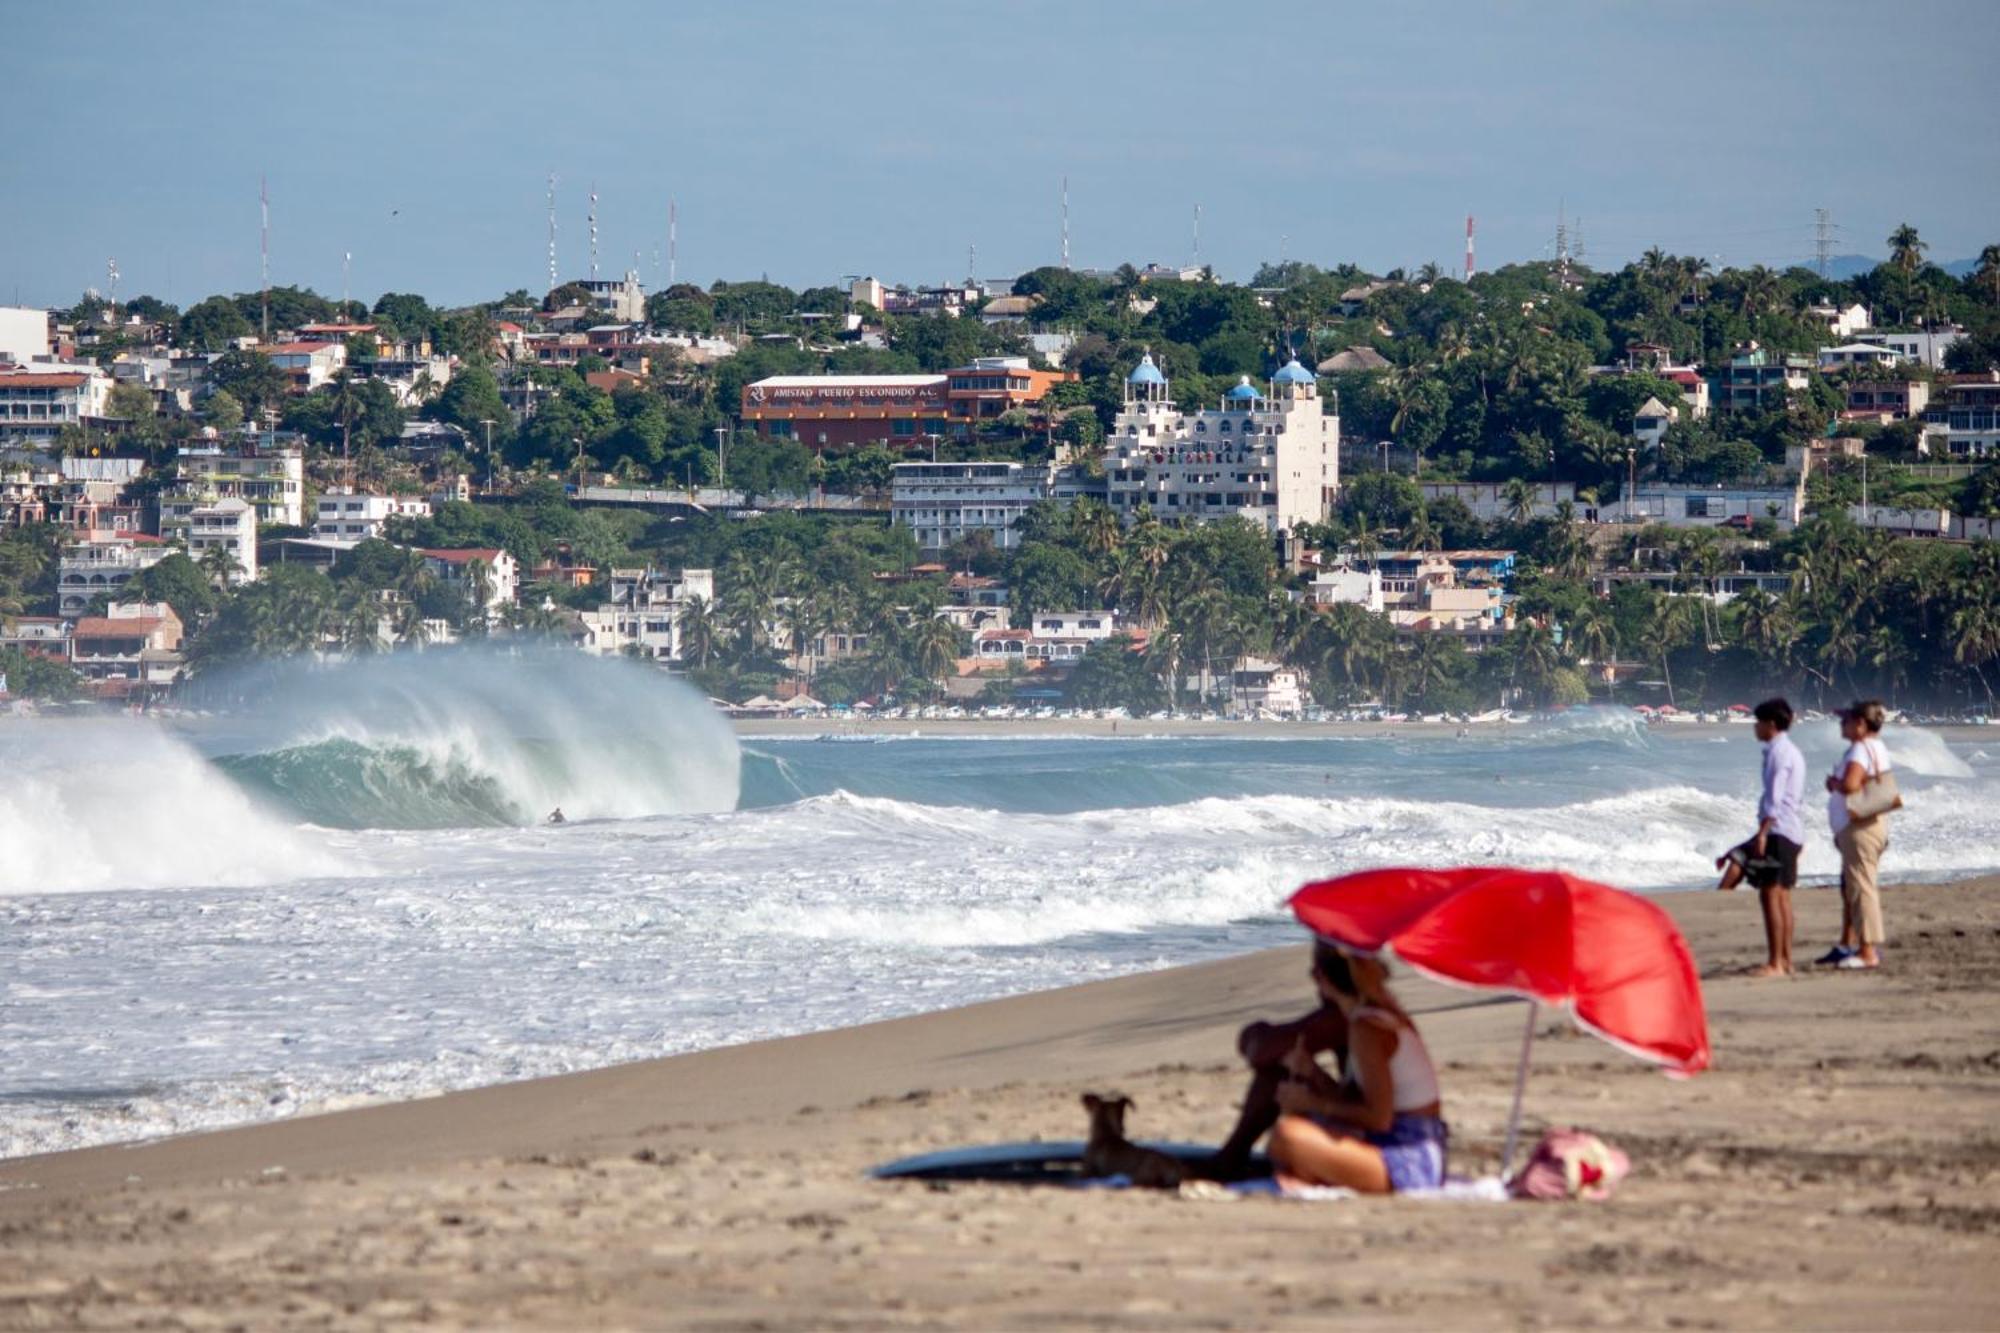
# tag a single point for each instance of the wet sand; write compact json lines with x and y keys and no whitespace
{"x":1838,"y":1167}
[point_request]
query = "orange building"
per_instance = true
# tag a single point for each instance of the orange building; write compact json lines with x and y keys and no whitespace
{"x":847,"y":411}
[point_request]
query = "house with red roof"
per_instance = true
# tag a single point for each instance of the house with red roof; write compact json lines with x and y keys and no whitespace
{"x":462,"y":566}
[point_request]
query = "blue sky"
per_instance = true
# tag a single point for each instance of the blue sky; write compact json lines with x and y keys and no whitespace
{"x":811,"y":140}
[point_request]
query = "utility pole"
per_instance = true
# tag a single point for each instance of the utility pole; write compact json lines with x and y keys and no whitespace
{"x":1197,"y":236}
{"x":593,"y":231}
{"x":1469,"y":269}
{"x":1631,"y":478}
{"x":1065,"y":222}
{"x":264,"y":206}
{"x":1562,"y":244}
{"x":673,"y":242}
{"x":552,"y":231}
{"x":722,"y":457}
{"x":488,"y":423}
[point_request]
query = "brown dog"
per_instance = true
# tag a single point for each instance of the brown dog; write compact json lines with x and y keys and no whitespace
{"x":1110,"y":1153}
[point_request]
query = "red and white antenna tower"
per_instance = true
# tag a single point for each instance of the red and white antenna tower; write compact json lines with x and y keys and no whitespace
{"x":673,"y":241}
{"x":1469,"y":269}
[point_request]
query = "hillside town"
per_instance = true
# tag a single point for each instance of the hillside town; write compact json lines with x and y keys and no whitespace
{"x":1144,"y":489}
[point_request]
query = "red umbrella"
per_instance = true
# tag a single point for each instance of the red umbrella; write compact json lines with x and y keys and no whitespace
{"x":1614,"y":959}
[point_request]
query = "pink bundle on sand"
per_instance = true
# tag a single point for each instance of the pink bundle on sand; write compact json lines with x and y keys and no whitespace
{"x":1570,"y":1164}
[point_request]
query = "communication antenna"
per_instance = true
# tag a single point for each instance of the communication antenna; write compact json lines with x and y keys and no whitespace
{"x":264,"y":205}
{"x":1823,"y":230}
{"x":1562,"y":243}
{"x":1470,"y":269}
{"x":346,"y":267}
{"x":111,"y":272}
{"x":673,"y":241}
{"x":1197,"y":235}
{"x":1576,"y":248}
{"x":1065,"y":221}
{"x":552,"y":231}
{"x":593,"y":231}
{"x":972,"y":264}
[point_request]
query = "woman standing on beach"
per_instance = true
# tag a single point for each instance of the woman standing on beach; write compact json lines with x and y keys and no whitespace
{"x":1861,"y":841}
{"x":1383,"y":1131}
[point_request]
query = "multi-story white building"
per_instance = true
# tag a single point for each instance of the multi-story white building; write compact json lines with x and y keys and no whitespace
{"x":1270,"y":457}
{"x":1924,"y":346}
{"x":270,"y":480}
{"x":1963,"y":421}
{"x":229,"y":526}
{"x":346,"y":516}
{"x":1840,"y":322}
{"x":35,"y":404}
{"x":464,"y":566}
{"x":944,"y":503}
{"x":1050,"y":636}
{"x":1258,"y":686}
{"x":645,"y":611}
{"x":24,"y":334}
{"x":307,"y":365}
{"x":102,"y":565}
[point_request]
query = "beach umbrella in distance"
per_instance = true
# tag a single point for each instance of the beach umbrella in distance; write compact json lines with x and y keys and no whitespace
{"x":1613,"y":959}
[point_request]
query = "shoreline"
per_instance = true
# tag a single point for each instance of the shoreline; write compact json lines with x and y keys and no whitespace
{"x":967,"y":728}
{"x":722,"y":1187}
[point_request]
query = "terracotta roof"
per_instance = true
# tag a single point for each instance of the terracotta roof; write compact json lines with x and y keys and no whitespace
{"x":33,"y":381}
{"x":295,"y":348}
{"x":104,"y":627}
{"x":463,"y":555}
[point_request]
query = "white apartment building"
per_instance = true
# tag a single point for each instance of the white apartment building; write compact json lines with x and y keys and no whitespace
{"x":645,"y":611}
{"x":230,"y":526}
{"x":456,"y":565}
{"x":1331,"y":587}
{"x":349,"y":517}
{"x":1050,"y":636}
{"x":621,"y":298}
{"x":24,"y":334}
{"x":1924,"y":346}
{"x":271,"y":481}
{"x":1270,"y":457}
{"x":1258,"y":686}
{"x":1695,"y":506}
{"x":102,"y":565}
{"x":944,"y":503}
{"x":1841,"y":323}
{"x":35,"y":404}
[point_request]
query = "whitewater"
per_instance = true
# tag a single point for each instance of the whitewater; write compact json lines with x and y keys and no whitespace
{"x":337,"y":886}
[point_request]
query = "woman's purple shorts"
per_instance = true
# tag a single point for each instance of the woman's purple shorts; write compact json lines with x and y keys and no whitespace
{"x":1413,"y":1151}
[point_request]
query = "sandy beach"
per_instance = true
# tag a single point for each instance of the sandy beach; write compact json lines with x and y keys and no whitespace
{"x":1836,"y":1168}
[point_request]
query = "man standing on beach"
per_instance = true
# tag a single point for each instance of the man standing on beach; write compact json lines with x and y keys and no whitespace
{"x":1770,"y":860}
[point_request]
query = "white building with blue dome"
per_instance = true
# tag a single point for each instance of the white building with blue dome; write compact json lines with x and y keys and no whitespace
{"x":1270,"y":454}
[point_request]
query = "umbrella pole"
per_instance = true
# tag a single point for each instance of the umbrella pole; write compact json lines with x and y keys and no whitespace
{"x":1520,"y":1087}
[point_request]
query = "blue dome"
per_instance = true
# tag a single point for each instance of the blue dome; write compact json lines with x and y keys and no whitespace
{"x":1293,"y":373}
{"x":1246,"y":392}
{"x":1147,"y":373}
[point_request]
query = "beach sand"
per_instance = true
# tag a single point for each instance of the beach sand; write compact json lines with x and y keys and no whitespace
{"x":1836,"y":1168}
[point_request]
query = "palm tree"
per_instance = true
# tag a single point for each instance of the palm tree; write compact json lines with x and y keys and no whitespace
{"x":219,"y":565}
{"x":1906,"y":256}
{"x":1761,"y":291}
{"x":347,"y":404}
{"x":1098,"y":526}
{"x":1519,"y":497}
{"x":1667,"y":626}
{"x":1423,"y":534}
{"x":698,"y":632}
{"x":935,"y":646}
{"x":1988,"y":272}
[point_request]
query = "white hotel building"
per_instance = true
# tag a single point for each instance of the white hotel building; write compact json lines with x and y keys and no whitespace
{"x":1273,"y":458}
{"x":943,"y":503}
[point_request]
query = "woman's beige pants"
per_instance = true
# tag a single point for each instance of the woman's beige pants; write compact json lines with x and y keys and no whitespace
{"x":1861,"y":844}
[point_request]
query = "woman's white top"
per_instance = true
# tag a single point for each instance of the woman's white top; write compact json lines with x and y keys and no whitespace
{"x":1411,"y":1075}
{"x":1873,"y":760}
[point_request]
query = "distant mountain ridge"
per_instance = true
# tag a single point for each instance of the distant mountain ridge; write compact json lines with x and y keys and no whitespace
{"x":1842,"y":267}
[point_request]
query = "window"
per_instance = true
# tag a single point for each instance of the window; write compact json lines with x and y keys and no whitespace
{"x":902,"y":428}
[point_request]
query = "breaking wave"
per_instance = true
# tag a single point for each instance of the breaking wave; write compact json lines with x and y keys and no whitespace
{"x":473,"y":738}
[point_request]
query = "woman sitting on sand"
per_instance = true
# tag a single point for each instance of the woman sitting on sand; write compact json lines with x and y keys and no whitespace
{"x":1383,"y":1131}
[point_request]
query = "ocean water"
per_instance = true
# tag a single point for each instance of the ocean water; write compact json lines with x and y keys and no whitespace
{"x":339,"y":889}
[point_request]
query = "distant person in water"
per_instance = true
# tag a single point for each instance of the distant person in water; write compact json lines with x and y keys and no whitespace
{"x":1770,"y":859}
{"x":556,"y":816}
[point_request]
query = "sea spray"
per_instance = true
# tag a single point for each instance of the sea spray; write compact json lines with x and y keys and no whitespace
{"x":118,"y":803}
{"x":471,"y":736}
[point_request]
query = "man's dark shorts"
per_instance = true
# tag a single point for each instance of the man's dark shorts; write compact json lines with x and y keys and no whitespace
{"x":1778,"y":865}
